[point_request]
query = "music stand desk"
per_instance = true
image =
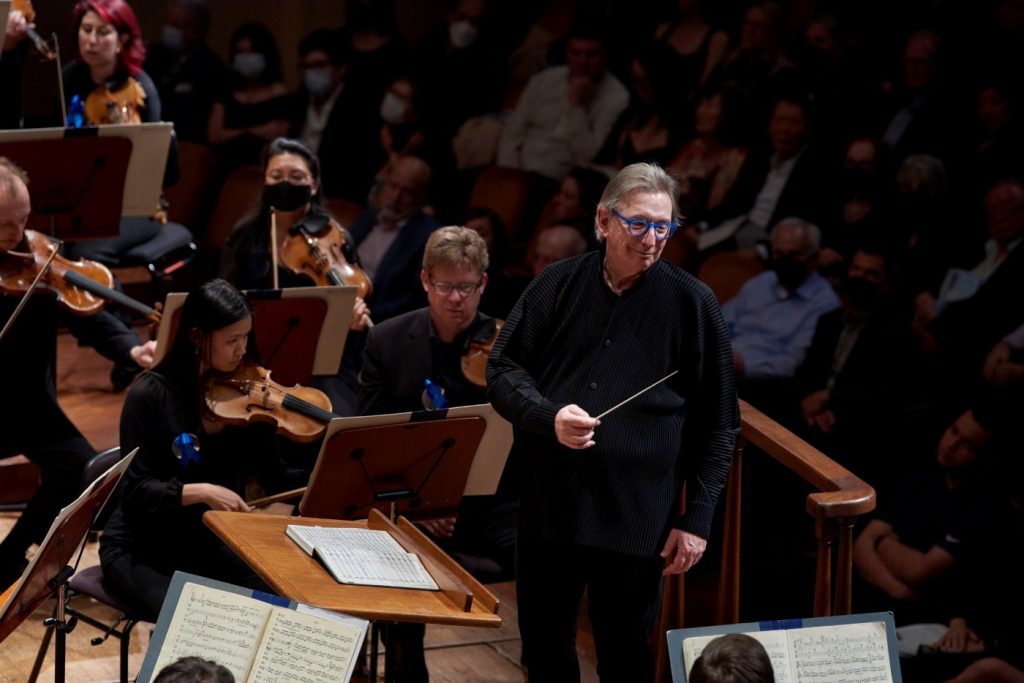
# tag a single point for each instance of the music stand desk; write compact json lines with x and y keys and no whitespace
{"x":261,"y":542}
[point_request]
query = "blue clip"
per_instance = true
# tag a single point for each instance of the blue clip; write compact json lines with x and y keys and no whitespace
{"x":76,"y":113}
{"x":186,"y":448}
{"x":433,"y":396}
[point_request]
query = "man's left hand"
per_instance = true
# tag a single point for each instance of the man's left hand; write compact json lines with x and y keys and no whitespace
{"x":683,"y":550}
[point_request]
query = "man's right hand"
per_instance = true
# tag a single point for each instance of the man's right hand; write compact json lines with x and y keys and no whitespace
{"x":574,"y":427}
{"x":216,"y":497}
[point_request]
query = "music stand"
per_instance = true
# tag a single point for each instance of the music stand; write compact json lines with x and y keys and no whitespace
{"x":300,"y":331}
{"x":139,"y":187}
{"x":49,"y":570}
{"x":418,"y":465}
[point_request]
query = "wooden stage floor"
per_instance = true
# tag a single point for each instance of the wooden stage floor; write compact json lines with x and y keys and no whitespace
{"x":454,"y":654}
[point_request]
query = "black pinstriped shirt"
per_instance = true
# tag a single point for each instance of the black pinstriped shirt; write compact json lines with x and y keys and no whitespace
{"x":570,"y":339}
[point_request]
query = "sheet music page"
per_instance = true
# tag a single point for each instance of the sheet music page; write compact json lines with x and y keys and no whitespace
{"x":214,"y":624}
{"x":847,"y":653}
{"x":367,"y":557}
{"x":776,"y":644}
{"x":305,"y":649}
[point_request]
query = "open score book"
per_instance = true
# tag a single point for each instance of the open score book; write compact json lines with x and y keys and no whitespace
{"x":848,"y":653}
{"x":259,"y":642}
{"x":366,"y":557}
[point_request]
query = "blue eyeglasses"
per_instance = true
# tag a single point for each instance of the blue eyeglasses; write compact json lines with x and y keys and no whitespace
{"x":637,"y":227}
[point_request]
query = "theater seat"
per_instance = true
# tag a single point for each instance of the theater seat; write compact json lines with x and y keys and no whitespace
{"x":725,"y":272}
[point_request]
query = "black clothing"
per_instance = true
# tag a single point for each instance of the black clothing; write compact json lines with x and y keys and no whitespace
{"x":188,"y":84}
{"x":78,"y":81}
{"x":570,"y":339}
{"x":59,"y":450}
{"x":151,"y":527}
{"x":246,"y":148}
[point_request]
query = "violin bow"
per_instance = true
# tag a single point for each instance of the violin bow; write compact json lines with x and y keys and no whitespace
{"x":28,"y":293}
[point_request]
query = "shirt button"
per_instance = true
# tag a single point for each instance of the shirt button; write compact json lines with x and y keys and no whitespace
{"x":607,"y":342}
{"x":593,"y":385}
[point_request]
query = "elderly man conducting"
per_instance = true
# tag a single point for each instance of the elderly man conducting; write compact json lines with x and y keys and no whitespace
{"x":600,"y":497}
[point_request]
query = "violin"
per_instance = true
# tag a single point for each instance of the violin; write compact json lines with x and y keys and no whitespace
{"x":248,"y":396}
{"x":82,"y":287}
{"x":316,"y":247}
{"x":123,"y":105}
{"x":29,"y":12}
{"x":478,"y":350}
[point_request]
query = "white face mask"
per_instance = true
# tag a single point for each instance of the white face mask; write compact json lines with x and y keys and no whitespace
{"x":392,"y":109}
{"x":172,"y":37}
{"x":462,"y":33}
{"x":249,"y":64}
{"x":318,"y":81}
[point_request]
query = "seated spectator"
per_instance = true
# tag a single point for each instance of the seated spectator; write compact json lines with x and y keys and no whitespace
{"x":909,"y":554}
{"x":866,"y":373}
{"x":772,"y":319}
{"x":575,"y":200}
{"x":462,"y":51}
{"x":858,"y":197}
{"x":998,"y":143}
{"x":709,"y":164}
{"x":255,"y":109}
{"x":194,"y":670}
{"x":379,"y":53}
{"x":566,"y":112}
{"x":188,"y":74}
{"x":921,"y":112}
{"x":330,"y":114}
{"x":554,"y":244}
{"x":785,"y":179}
{"x":976,"y":308}
{"x":390,"y":238}
{"x":650,"y":129}
{"x":697,"y":48}
{"x":732,"y":658}
{"x":757,"y":55}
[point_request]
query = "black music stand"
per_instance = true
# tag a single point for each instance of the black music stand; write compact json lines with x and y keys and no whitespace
{"x":77,"y":183}
{"x":50,"y":569}
{"x":299,"y":332}
{"x":418,"y":464}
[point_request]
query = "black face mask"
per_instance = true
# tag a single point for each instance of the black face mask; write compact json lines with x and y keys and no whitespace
{"x":286,"y":196}
{"x":790,"y":271}
{"x":861,"y":293}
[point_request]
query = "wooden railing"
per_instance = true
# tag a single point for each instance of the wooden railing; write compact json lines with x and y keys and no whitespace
{"x":840,"y":498}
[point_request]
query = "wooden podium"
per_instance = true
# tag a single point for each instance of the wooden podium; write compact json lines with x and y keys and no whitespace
{"x":261,"y":542}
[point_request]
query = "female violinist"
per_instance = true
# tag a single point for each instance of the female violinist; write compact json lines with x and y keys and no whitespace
{"x":107,"y":76}
{"x":188,"y":462}
{"x":33,"y":422}
{"x":292,"y":187}
{"x":107,"y":73}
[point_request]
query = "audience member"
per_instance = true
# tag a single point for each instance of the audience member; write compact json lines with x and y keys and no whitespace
{"x":697,"y":48}
{"x":772,"y":319}
{"x":575,"y":200}
{"x":390,"y":238}
{"x":457,"y":64}
{"x":651,"y":128}
{"x":921,"y":113}
{"x":908,"y":555}
{"x":751,"y":64}
{"x":976,"y":308}
{"x":189,"y":76}
{"x":254,"y":109}
{"x":379,"y":54}
{"x":12,"y":56}
{"x":786,"y":179}
{"x":866,"y":373}
{"x":331,"y":116}
{"x":732,"y":658}
{"x":194,"y":670}
{"x":709,"y":164}
{"x":566,"y":112}
{"x":554,"y":244}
